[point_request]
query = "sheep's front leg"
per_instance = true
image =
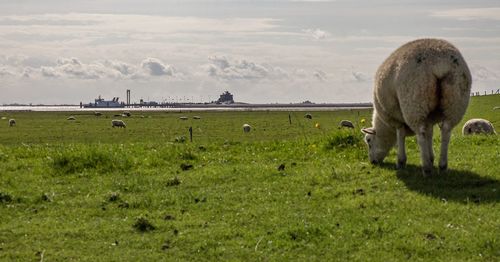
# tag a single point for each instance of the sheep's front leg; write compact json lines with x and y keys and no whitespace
{"x":445,"y":141}
{"x":424,"y":139}
{"x":401,"y":134}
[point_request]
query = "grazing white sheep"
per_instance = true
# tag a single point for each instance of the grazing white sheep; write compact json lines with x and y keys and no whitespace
{"x":478,"y":126}
{"x":71,"y":118}
{"x":496,"y":107}
{"x":97,"y":113}
{"x":183,"y":118}
{"x":246,"y":128}
{"x":196,"y":117}
{"x":308,"y":116}
{"x":346,"y":123}
{"x":12,"y":122}
{"x":422,"y":83}
{"x":117,"y":123}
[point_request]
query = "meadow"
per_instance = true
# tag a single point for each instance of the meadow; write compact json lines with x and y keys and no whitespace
{"x":84,"y":191}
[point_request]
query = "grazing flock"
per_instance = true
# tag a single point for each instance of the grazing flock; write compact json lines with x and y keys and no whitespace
{"x":422,"y":83}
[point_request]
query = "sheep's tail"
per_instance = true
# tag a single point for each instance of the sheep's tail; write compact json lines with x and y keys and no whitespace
{"x":452,"y":87}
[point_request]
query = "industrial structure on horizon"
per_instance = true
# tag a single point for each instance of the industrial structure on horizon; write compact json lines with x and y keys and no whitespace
{"x":226,"y":100}
{"x":101,"y":103}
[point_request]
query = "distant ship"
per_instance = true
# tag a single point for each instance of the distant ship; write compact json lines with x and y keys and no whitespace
{"x":101,"y":103}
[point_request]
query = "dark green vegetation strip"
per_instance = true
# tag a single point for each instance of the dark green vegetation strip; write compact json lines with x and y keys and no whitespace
{"x":85,"y":191}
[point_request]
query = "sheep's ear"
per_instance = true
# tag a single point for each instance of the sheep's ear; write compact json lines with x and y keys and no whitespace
{"x":369,"y":130}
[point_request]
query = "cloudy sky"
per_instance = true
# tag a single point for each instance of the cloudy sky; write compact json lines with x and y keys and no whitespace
{"x":64,"y":51}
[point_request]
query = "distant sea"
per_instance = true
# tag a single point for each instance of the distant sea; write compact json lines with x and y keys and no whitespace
{"x":40,"y":108}
{"x":176,"y":109}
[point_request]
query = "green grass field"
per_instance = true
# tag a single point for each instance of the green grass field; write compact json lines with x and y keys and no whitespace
{"x":82,"y":190}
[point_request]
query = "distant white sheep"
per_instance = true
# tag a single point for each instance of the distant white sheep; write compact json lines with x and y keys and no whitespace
{"x":246,"y":128}
{"x":183,"y":118}
{"x":422,"y":83}
{"x":346,"y":123}
{"x":118,"y":123}
{"x":12,"y":122}
{"x":97,"y":113}
{"x":71,"y":118}
{"x":196,"y":117}
{"x":308,"y":116}
{"x":478,"y":126}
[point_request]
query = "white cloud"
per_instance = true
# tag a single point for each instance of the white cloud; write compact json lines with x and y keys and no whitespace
{"x":28,"y":72}
{"x":5,"y":72}
{"x":359,"y":76}
{"x":76,"y":24}
{"x":218,"y":68}
{"x":155,"y":67}
{"x":317,"y":33}
{"x":320,"y":75}
{"x":490,"y":13}
{"x":48,"y":71}
{"x":481,"y":73}
{"x":264,"y":58}
{"x":300,"y":73}
{"x":74,"y":68}
{"x":223,"y":68}
{"x":354,"y":76}
{"x":12,"y":60}
{"x":124,"y":68}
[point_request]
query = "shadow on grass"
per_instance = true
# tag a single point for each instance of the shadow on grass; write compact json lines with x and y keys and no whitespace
{"x":453,"y":185}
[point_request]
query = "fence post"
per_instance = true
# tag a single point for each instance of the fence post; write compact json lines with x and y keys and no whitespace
{"x":191,"y":133}
{"x":290,"y":119}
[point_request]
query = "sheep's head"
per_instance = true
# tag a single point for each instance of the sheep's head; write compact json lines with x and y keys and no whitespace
{"x":377,"y":149}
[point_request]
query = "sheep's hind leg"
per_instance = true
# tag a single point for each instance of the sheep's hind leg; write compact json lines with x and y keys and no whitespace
{"x":424,"y":139}
{"x":445,"y":141}
{"x":401,"y":134}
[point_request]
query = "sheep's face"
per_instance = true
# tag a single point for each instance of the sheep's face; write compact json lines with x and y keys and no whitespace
{"x":376,"y":149}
